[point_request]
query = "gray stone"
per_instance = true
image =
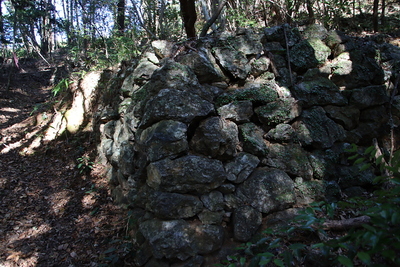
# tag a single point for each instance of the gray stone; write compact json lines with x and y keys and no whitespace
{"x":142,"y":72}
{"x":124,"y":106}
{"x":332,"y":191}
{"x":178,"y":239}
{"x":369,"y":96}
{"x":192,"y":262}
{"x":258,"y":93}
{"x":238,"y":111}
{"x":315,"y":128}
{"x":356,"y":69}
{"x":308,"y":191}
{"x":241,"y":167}
{"x":274,"y":47}
{"x":267,"y":190}
{"x":315,"y":31}
{"x":233,"y":61}
{"x":207,"y":238}
{"x":216,"y":137}
{"x":232,"y":202}
{"x":246,"y":221}
{"x":321,"y":51}
{"x":164,"y":139}
{"x":186,"y":174}
{"x":282,"y":133}
{"x":260,"y":66}
{"x":171,"y":104}
{"x":156,"y":263}
{"x":347,"y":116}
{"x":280,"y":219}
{"x":319,"y":91}
{"x":252,"y":137}
{"x":291,"y":158}
{"x":377,"y":114}
{"x":277,"y":34}
{"x":173,"y":206}
{"x":108,"y":130}
{"x":348,"y":176}
{"x":334,"y":38}
{"x":163,"y":48}
{"x":204,"y":66}
{"x":227,"y":188}
{"x":125,"y":160}
{"x":214,"y":201}
{"x":172,"y":75}
{"x":249,"y":44}
{"x":302,"y":56}
{"x":107,"y":147}
{"x":211,"y":217}
{"x":283,"y":110}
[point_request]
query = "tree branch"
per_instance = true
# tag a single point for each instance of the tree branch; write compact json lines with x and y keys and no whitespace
{"x":345,"y":224}
{"x":213,"y":19}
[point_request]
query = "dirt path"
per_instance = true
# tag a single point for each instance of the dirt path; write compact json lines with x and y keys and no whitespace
{"x":50,"y":213}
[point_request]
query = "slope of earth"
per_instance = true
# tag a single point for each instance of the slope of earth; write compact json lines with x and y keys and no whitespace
{"x":51,"y":212}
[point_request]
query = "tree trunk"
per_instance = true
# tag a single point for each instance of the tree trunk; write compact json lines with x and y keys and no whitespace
{"x":121,"y":17}
{"x":2,"y":32}
{"x":383,"y":18}
{"x":189,"y":17}
{"x":310,"y":10}
{"x":212,"y":19}
{"x":375,"y":15}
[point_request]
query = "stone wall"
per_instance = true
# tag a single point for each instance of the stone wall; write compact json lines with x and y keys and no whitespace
{"x":216,"y":138}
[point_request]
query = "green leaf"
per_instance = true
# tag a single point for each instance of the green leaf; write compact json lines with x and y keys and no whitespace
{"x":378,"y":160}
{"x":242,"y":261}
{"x":279,"y":263}
{"x":345,"y":261}
{"x":369,"y":228}
{"x":265,"y":260}
{"x":365,"y":166}
{"x":390,"y":254}
{"x":370,"y":150}
{"x":318,"y":245}
{"x":297,"y":246}
{"x":365,"y":257}
{"x":358,"y":161}
{"x":353,"y":157}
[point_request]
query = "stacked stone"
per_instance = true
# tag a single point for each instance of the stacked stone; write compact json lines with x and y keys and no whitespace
{"x":214,"y":140}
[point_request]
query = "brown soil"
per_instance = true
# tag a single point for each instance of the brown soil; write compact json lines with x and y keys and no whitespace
{"x":51,"y":214}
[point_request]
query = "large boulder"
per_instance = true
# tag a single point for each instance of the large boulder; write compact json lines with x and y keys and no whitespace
{"x":216,"y":137}
{"x":173,"y":104}
{"x":316,"y":129}
{"x":241,"y":167}
{"x":186,"y":174}
{"x":291,"y":158}
{"x":281,"y":111}
{"x":164,"y":139}
{"x":267,"y":190}
{"x":204,"y":66}
{"x":319,"y":91}
{"x":178,"y":239}
{"x":246,"y":221}
{"x":252,"y":138}
{"x":166,"y":205}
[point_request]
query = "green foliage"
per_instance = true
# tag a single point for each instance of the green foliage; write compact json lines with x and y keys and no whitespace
{"x":84,"y":165}
{"x":241,"y":18}
{"x":61,"y":87}
{"x":376,"y":243}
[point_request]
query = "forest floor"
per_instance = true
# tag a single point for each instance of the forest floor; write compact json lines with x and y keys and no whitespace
{"x":51,"y":214}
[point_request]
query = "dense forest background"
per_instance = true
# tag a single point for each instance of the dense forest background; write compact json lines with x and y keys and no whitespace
{"x":103,"y":33}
